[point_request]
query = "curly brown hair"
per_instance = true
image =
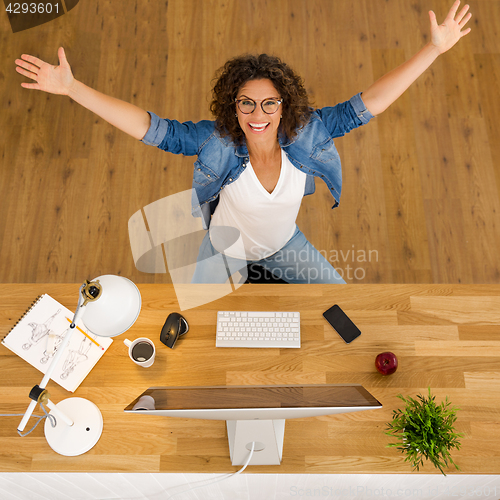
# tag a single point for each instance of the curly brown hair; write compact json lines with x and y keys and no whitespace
{"x":236,"y":72}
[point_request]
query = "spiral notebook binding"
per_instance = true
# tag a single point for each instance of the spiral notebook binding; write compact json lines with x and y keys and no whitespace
{"x":44,"y":315}
{"x":33,"y":304}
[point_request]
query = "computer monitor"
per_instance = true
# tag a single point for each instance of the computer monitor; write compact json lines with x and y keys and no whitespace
{"x":254,"y":413}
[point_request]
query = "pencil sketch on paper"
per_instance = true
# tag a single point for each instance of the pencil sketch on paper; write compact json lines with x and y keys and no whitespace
{"x":57,"y":342}
{"x":43,"y":330}
{"x":39,"y":331}
{"x":75,"y":357}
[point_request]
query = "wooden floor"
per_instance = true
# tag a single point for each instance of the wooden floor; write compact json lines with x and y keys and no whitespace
{"x":421,"y":185}
{"x":445,"y":336}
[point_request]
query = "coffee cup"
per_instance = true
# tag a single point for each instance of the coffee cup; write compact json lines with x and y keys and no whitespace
{"x":145,"y":403}
{"x":141,"y":351}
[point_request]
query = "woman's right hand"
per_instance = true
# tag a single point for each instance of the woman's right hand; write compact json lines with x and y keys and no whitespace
{"x":59,"y":80}
{"x":52,"y":79}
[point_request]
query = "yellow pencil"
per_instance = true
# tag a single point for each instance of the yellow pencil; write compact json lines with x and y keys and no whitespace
{"x":91,"y":339}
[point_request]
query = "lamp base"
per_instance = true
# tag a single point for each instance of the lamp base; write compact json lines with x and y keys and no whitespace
{"x":82,"y":435}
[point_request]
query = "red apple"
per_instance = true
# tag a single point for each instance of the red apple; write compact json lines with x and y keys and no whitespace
{"x":386,"y":363}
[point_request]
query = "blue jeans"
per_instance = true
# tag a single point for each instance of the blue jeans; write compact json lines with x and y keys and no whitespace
{"x":297,"y":262}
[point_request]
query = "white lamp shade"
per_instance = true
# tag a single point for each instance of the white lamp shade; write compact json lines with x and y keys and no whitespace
{"x":116,"y":310}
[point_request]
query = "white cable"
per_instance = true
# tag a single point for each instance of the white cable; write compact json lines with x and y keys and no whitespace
{"x":218,"y":479}
{"x":51,"y":418}
{"x":247,"y":462}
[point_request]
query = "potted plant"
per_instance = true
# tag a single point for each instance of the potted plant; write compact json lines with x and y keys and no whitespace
{"x":425,"y":430}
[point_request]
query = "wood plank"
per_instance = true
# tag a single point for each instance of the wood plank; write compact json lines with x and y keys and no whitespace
{"x":461,"y":310}
{"x":480,"y":202}
{"x":402,"y":187}
{"x":446,"y":238}
{"x":488,"y":77}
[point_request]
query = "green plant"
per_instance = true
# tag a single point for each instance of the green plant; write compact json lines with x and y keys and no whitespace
{"x":425,"y":430}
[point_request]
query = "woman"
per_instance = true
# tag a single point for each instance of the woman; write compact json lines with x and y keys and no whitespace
{"x":260,"y":156}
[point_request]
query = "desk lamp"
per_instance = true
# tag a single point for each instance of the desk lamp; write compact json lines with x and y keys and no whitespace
{"x":108,"y":306}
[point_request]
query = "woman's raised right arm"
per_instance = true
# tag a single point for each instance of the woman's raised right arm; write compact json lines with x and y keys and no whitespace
{"x":59,"y":80}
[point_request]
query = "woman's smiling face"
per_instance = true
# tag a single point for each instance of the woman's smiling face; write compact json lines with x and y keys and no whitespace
{"x":259,"y":126}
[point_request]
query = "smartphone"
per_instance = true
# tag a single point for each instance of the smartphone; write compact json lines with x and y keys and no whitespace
{"x":342,"y":324}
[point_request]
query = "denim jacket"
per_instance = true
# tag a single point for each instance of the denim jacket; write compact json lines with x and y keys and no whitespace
{"x":220,"y":162}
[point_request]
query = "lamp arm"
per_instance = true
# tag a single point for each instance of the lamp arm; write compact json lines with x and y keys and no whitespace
{"x":79,"y":309}
{"x":27,"y":415}
{"x":46,"y":378}
{"x":58,"y":413}
{"x":55,"y":360}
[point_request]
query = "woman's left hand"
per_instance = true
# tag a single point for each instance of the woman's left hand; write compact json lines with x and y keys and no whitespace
{"x":444,"y":36}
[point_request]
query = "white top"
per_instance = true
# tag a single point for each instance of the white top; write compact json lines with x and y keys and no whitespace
{"x":266,"y":221}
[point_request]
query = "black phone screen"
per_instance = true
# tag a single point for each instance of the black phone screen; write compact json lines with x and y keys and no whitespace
{"x":342,"y":324}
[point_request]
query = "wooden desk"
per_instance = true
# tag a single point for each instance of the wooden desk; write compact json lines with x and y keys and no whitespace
{"x":446,"y":337}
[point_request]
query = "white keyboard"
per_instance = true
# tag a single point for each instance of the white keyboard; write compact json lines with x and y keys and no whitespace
{"x":258,"y":329}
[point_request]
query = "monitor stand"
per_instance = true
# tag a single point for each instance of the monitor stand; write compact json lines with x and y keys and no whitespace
{"x":267,"y":434}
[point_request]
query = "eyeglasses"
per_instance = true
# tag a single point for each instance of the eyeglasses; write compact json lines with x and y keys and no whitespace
{"x":269,"y":106}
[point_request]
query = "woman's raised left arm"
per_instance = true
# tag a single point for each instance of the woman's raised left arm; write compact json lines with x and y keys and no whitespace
{"x":381,"y":94}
